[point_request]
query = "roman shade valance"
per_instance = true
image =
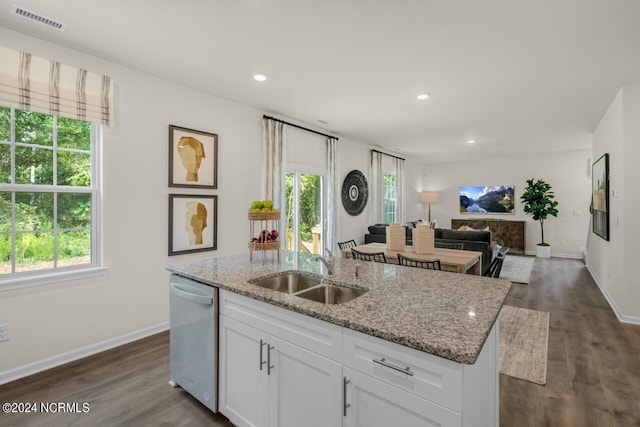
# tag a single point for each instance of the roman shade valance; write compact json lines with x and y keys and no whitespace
{"x":31,"y":83}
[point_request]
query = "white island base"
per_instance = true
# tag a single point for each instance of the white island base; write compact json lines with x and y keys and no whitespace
{"x":280,"y":368}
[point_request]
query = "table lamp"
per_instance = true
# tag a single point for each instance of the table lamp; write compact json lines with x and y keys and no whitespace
{"x":429,"y":197}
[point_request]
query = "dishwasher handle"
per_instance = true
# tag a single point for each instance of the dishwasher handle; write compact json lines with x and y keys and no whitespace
{"x":182,"y":293}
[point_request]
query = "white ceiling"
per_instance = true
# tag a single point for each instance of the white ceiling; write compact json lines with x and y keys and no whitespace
{"x":519,"y":76}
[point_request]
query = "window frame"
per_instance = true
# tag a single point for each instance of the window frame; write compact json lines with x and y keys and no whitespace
{"x":385,"y":198}
{"x":22,"y":279}
{"x":298,"y":170}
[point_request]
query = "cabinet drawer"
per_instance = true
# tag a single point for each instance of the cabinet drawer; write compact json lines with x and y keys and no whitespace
{"x":434,"y":378}
{"x":315,"y":335}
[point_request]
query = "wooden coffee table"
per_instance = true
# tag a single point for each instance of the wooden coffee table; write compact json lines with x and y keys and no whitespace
{"x":450,"y":259}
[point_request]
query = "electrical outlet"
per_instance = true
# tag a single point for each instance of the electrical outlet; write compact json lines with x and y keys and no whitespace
{"x":5,"y":332}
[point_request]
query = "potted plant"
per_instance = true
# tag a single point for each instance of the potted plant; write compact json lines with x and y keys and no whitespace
{"x":538,"y":202}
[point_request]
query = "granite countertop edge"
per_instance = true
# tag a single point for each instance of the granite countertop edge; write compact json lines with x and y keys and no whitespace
{"x":392,"y":308}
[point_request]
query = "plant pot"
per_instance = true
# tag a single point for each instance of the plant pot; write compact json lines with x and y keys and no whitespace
{"x":543,"y":251}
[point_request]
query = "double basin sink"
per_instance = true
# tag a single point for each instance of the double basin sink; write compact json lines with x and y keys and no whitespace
{"x":308,"y":286}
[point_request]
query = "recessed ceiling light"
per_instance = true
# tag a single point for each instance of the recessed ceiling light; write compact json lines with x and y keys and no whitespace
{"x":423,"y":96}
{"x":259,"y":77}
{"x":471,"y":141}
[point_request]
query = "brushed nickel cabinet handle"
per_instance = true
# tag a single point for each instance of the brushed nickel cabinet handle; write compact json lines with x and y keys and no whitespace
{"x":262,"y":362}
{"x":383,"y":362}
{"x":269,"y":365}
{"x":345,"y":405}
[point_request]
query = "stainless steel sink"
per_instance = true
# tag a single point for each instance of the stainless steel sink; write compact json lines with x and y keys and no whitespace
{"x":308,"y":286}
{"x":289,"y":282}
{"x":330,"y":294}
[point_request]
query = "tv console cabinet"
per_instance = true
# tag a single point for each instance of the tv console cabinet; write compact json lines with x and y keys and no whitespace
{"x":504,"y":232}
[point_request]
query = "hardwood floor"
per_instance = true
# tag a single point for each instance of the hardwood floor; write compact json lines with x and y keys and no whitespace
{"x":125,"y":386}
{"x":593,"y":367}
{"x":593,"y":376}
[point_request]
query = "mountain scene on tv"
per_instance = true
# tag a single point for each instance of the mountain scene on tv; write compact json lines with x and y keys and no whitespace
{"x":485,"y":199}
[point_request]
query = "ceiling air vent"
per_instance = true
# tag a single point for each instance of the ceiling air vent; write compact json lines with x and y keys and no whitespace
{"x":37,"y":17}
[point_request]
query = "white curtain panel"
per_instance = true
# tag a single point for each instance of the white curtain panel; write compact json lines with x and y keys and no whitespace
{"x":376,"y":187}
{"x":273,"y":155}
{"x":400,"y":202}
{"x":31,"y":83}
{"x":332,"y":191}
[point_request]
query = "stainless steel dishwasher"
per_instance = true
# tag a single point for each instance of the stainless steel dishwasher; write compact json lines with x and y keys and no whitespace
{"x":193,"y":337}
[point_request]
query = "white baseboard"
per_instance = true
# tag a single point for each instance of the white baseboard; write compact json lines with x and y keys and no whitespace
{"x":51,"y":362}
{"x":612,"y":303}
{"x":556,"y":255}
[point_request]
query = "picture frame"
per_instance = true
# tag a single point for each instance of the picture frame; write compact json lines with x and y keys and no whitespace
{"x":193,"y":223}
{"x":193,"y":158}
{"x":600,"y":196}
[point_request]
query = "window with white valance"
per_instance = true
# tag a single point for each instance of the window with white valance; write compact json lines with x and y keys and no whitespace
{"x":32,"y":83}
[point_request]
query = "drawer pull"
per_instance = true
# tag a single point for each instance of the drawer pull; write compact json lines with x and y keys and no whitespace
{"x":383,"y":362}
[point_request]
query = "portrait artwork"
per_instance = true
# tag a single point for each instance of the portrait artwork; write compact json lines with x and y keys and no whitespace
{"x":192,"y":223}
{"x":193,"y":158}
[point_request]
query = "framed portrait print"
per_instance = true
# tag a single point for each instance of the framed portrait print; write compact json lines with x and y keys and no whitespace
{"x":600,"y":196}
{"x":193,"y":158}
{"x":192,"y":223}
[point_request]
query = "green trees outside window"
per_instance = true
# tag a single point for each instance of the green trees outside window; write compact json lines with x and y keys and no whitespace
{"x":46,"y":191}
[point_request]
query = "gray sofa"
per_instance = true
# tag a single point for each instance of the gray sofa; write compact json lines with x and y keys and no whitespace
{"x":378,"y":233}
{"x":471,"y":240}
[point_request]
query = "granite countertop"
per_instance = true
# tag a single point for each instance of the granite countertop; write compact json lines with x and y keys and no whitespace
{"x":446,"y":314}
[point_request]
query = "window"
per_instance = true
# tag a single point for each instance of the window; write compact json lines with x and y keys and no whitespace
{"x":304,"y":196}
{"x":389,"y":213}
{"x":48,"y":193}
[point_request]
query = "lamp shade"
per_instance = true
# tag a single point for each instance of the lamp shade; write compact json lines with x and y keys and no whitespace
{"x":429,"y":196}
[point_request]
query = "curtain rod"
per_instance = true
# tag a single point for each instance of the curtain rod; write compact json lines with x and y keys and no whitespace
{"x":299,"y":127}
{"x":390,"y":155}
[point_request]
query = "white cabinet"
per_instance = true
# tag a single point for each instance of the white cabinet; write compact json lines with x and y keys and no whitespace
{"x":303,"y":388}
{"x":267,"y":381}
{"x":242,"y":390}
{"x":374,"y":403}
{"x":389,"y":384}
{"x":280,"y":368}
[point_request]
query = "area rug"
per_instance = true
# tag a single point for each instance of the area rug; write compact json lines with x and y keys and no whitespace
{"x":524,"y":341}
{"x":517,"y":268}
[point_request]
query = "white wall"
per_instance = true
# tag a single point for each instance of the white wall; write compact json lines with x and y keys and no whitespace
{"x":612,"y":263}
{"x":132,"y":297}
{"x":565,"y":171}
{"x":355,"y":155}
{"x":55,"y":323}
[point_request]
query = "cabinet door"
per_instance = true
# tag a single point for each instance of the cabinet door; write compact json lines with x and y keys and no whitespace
{"x":373,"y":403}
{"x":242,"y":389}
{"x":305,"y":389}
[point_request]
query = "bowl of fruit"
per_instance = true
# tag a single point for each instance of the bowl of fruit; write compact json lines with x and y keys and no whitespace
{"x":263,"y":210}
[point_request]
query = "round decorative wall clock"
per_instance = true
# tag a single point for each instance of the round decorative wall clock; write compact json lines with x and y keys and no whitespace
{"x":355,"y":192}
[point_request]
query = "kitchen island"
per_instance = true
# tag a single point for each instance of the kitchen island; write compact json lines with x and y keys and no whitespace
{"x":433,"y":336}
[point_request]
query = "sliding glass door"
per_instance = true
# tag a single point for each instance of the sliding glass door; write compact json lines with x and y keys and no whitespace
{"x":304,"y":199}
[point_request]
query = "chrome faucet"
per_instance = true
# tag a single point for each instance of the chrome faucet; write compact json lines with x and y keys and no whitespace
{"x":328,"y":263}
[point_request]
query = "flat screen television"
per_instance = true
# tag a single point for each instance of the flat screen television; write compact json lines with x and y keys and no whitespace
{"x":498,"y":199}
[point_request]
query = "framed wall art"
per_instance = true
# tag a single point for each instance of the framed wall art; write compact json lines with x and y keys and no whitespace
{"x":192,"y":223}
{"x":193,"y":158}
{"x":482,"y":199}
{"x":600,"y":196}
